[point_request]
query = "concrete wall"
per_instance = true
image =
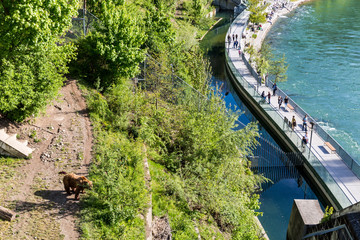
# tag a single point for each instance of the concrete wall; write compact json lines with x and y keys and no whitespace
{"x":225,"y":4}
{"x":304,"y":213}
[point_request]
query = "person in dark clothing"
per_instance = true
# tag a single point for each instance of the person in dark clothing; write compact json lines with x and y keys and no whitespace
{"x":304,"y":140}
{"x":286,"y":101}
{"x":274,"y":89}
{"x":269,"y":96}
{"x":229,"y":39}
{"x":280,"y":100}
{"x":263,"y":97}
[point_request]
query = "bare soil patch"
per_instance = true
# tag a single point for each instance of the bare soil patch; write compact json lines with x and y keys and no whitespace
{"x":62,"y":139}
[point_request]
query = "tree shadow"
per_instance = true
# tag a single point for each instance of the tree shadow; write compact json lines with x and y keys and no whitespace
{"x":6,"y":123}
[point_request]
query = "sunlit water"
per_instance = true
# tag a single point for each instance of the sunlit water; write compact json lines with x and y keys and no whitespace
{"x":321,"y":42}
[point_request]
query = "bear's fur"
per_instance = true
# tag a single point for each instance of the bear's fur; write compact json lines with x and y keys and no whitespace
{"x":76,"y":183}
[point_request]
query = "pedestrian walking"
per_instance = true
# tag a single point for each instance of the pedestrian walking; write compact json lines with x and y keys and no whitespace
{"x":305,"y":120}
{"x":263,"y":96}
{"x":233,"y":37}
{"x":236,"y":36}
{"x":229,"y":39}
{"x":269,"y":96}
{"x":293,"y":123}
{"x":286,"y":101}
{"x":304,"y":141}
{"x":274,"y":89}
{"x":280,"y":100}
{"x":239,"y":52}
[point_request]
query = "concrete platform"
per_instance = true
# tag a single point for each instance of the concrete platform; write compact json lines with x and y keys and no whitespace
{"x":10,"y":146}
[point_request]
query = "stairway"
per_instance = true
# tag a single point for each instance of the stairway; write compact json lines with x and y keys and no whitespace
{"x":10,"y":146}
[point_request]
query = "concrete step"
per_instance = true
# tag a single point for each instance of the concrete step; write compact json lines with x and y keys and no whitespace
{"x":11,"y":146}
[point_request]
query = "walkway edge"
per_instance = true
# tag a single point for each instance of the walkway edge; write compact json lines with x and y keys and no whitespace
{"x":336,"y":197}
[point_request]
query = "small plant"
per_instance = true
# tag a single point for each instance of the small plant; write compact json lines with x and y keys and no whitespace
{"x":32,"y":133}
{"x":80,"y":156}
{"x":254,"y":35}
{"x":17,"y":136}
{"x":327,"y":214}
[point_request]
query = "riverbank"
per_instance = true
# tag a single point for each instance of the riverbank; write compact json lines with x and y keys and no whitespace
{"x":277,"y":13}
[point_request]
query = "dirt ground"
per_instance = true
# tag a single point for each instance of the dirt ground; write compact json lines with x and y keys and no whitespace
{"x":62,"y":141}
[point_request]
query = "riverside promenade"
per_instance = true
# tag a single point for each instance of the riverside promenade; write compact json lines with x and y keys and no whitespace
{"x":331,"y":168}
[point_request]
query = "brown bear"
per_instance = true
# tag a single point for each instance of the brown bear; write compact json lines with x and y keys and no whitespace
{"x":76,"y":183}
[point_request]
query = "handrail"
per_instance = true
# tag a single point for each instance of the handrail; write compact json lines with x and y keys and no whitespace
{"x":313,"y":160}
{"x":352,"y":163}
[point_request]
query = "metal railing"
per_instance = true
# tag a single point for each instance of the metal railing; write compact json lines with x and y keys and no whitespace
{"x":323,"y":173}
{"x":352,"y":163}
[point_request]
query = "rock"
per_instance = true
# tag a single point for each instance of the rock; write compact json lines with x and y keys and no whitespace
{"x":161,"y":228}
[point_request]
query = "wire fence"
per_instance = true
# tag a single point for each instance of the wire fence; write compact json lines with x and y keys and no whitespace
{"x":82,"y":24}
{"x":267,"y":158}
{"x":161,"y":81}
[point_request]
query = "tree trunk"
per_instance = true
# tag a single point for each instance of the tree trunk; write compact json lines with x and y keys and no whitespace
{"x":7,"y":214}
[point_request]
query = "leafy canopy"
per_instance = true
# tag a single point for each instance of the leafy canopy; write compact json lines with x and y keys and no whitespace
{"x":32,"y":60}
{"x":113,"y":50}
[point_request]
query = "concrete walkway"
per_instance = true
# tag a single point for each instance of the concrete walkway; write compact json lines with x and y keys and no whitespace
{"x":348,"y":182}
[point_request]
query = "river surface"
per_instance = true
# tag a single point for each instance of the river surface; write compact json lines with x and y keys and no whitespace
{"x":321,"y":42}
{"x":277,"y":199}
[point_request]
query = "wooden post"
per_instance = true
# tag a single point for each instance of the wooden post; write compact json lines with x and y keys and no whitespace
{"x":7,"y":214}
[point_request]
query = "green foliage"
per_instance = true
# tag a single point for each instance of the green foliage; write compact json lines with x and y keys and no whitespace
{"x":200,"y":176}
{"x":112,"y":52}
{"x":278,"y":69}
{"x":32,"y":60}
{"x":257,"y":9}
{"x":159,"y":30}
{"x":199,"y":147}
{"x":112,"y":209}
{"x":327,"y":214}
{"x":196,"y":10}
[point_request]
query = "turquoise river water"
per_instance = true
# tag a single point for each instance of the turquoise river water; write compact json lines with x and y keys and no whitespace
{"x":321,"y":42}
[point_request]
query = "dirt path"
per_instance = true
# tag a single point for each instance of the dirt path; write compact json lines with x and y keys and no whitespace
{"x":62,"y":140}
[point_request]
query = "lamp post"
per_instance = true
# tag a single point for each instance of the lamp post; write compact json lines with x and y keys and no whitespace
{"x":312,"y":127}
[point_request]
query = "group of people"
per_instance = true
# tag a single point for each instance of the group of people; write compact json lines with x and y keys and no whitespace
{"x":281,"y":100}
{"x":285,"y":100}
{"x":234,"y":39}
{"x":305,"y":138}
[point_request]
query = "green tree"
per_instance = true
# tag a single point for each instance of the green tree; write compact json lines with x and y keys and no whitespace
{"x":257,"y":10}
{"x":33,"y":58}
{"x":159,"y":30}
{"x":278,"y":69}
{"x":113,"y":50}
{"x":264,"y":59}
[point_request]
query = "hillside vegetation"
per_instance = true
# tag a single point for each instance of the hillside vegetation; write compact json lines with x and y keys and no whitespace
{"x":200,"y":177}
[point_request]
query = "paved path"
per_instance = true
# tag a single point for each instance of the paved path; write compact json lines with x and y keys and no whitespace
{"x":348,"y":182}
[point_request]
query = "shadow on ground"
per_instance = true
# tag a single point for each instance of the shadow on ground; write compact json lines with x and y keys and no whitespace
{"x":62,"y":204}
